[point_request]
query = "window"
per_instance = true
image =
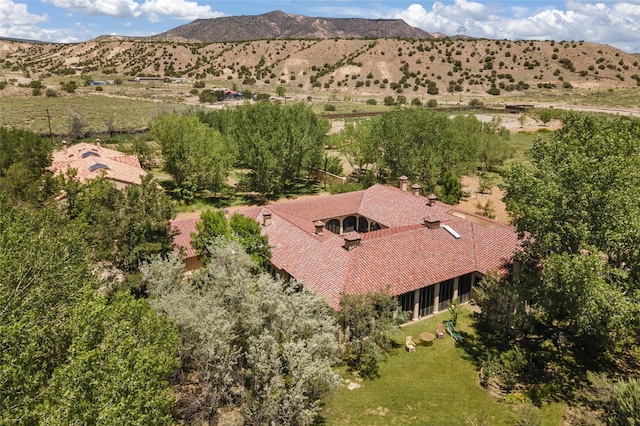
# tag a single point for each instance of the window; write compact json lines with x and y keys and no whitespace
{"x":333,"y":225}
{"x":363,"y":224}
{"x":426,"y":301}
{"x":405,"y":301}
{"x":446,"y":294}
{"x":464,"y":288}
{"x":349,"y":224}
{"x":374,"y":226}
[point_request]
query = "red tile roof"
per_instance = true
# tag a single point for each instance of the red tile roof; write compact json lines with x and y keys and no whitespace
{"x":404,"y":257}
{"x":91,"y":161}
{"x":183,"y":229}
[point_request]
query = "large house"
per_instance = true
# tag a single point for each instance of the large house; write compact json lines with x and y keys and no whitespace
{"x":93,"y":160}
{"x":384,"y":239}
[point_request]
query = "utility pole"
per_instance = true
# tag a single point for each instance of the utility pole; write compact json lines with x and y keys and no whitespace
{"x":49,"y":121}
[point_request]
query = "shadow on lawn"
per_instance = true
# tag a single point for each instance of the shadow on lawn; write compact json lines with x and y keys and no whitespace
{"x":553,"y":372}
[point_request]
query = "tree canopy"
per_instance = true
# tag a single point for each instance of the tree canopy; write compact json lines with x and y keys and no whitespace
{"x":577,"y":208}
{"x":277,"y":143}
{"x":424,"y":145}
{"x":69,"y":354}
{"x":248,"y":342}
{"x":194,"y":154}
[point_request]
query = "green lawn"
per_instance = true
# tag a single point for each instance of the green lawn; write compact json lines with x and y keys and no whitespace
{"x":435,"y":385}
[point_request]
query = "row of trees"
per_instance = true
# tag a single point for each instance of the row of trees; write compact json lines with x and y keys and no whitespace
{"x":430,"y":147}
{"x":278,"y":145}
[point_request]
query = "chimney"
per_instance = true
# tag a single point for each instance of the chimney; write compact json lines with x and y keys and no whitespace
{"x":319,"y":227}
{"x":98,"y":142}
{"x":351,"y":240}
{"x":431,"y":222}
{"x":432,"y":199}
{"x":64,"y":147}
{"x":266,"y":219}
{"x":402,"y":182}
{"x":415,"y":188}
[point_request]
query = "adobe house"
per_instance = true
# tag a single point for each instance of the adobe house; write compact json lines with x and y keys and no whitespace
{"x":92,"y":160}
{"x":417,"y":248}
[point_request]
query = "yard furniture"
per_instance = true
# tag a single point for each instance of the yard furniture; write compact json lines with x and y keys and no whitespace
{"x":452,"y":331}
{"x":410,"y":345}
{"x":440,"y":331}
{"x":427,"y":337}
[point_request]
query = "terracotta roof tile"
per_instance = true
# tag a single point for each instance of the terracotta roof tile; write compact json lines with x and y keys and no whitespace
{"x":91,"y":161}
{"x":404,"y":257}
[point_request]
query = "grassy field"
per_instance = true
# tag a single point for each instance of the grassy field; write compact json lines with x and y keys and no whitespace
{"x":435,"y":385}
{"x":30,"y":112}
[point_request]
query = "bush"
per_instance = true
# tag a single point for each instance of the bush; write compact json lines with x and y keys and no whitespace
{"x":50,"y":93}
{"x":416,"y":102}
{"x":372,"y":102}
{"x":99,"y":88}
{"x":432,"y":103}
{"x":388,"y":100}
{"x":329,"y":107}
{"x":475,"y":103}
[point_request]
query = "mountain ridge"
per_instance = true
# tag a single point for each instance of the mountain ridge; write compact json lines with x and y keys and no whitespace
{"x":277,"y":25}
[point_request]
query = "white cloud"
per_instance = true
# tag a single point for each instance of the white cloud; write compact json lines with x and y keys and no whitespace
{"x":177,"y":9}
{"x":118,"y":8}
{"x":17,"y":22}
{"x":617,"y":24}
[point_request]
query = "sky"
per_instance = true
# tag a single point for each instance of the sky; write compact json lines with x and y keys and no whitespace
{"x":616,"y":23}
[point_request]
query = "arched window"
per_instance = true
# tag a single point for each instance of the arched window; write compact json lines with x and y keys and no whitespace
{"x":374,"y":226}
{"x":333,"y":225}
{"x":363,"y":224}
{"x":349,"y":224}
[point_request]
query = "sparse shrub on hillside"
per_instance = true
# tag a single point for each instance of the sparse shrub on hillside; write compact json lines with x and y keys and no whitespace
{"x":329,"y":107}
{"x":374,"y":102}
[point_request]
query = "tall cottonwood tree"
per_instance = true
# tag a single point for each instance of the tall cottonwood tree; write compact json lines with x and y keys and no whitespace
{"x":277,"y":143}
{"x":194,"y":154}
{"x":251,"y":342}
{"x":577,"y":208}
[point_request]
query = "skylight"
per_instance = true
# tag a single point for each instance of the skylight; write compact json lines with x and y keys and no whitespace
{"x":451,"y":231}
{"x":89,"y":153}
{"x":97,"y":166}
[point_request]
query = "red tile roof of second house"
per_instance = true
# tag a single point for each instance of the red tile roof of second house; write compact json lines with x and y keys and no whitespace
{"x":91,"y":161}
{"x":404,"y":257}
{"x":183,"y":228}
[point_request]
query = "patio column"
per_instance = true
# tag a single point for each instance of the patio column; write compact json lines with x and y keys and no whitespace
{"x":416,"y":304}
{"x":456,"y":285}
{"x":436,"y":297}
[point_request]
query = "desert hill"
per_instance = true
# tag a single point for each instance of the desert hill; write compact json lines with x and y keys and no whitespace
{"x":280,"y":25}
{"x":367,"y":67}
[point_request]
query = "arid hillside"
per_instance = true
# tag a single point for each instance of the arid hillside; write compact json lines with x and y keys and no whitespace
{"x":361,"y":67}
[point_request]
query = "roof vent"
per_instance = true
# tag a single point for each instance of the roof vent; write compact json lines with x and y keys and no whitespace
{"x":266,"y":218}
{"x":351,"y":240}
{"x":431,"y":199}
{"x":402,"y":182}
{"x":319,"y":227}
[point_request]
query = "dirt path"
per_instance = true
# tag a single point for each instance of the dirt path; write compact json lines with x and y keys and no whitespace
{"x":470,"y":185}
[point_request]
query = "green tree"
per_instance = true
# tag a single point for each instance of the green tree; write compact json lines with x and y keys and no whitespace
{"x":277,"y":143}
{"x":546,"y":115}
{"x":366,"y":322}
{"x":24,"y":158}
{"x":280,"y":90}
{"x":68,"y":354}
{"x":120,"y":359}
{"x":248,"y":342}
{"x":451,"y":188}
{"x":122,"y":227}
{"x":247,"y":231}
{"x":576,"y":207}
{"x":193,"y":152}
{"x":212,"y":224}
